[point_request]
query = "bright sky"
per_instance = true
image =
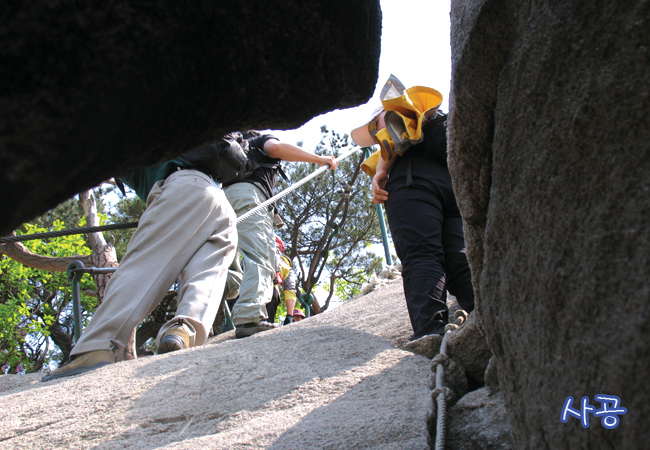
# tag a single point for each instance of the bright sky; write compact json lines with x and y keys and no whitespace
{"x":414,"y":47}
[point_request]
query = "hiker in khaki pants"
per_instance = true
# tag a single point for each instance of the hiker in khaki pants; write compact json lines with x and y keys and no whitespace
{"x":256,"y":235}
{"x":187,"y":230}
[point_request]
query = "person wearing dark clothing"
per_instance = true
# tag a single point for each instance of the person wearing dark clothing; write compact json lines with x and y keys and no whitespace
{"x":424,"y":219}
{"x":427,"y":231}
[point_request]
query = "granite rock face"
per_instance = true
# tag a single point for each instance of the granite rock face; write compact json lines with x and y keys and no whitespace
{"x":469,"y":347}
{"x":549,"y":147}
{"x":479,"y":421}
{"x":93,"y":90}
{"x":336,"y":380}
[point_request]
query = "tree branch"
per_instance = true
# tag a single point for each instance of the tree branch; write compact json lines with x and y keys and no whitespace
{"x":103,"y":254}
{"x":19,"y":253}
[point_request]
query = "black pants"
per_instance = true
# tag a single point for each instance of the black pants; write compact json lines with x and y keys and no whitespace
{"x":427,"y":231}
{"x":272,"y":306}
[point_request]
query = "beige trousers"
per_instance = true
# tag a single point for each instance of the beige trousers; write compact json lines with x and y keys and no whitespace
{"x":187,"y":231}
{"x":257,"y":246}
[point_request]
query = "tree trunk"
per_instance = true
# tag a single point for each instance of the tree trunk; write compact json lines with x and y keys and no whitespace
{"x":322,"y":246}
{"x":103,"y":255}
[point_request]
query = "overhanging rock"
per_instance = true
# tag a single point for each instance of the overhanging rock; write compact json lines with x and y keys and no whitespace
{"x":95,"y":90}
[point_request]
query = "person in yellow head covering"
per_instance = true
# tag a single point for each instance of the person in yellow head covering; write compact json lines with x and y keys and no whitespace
{"x":410,"y":177}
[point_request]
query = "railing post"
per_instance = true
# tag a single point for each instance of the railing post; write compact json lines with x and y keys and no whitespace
{"x":227,"y":316}
{"x":75,"y":271}
{"x":382,"y":225}
{"x":306,"y":300}
{"x":75,"y":276}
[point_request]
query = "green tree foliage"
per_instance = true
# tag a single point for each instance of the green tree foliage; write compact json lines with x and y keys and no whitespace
{"x":331,"y":219}
{"x":35,"y":305}
{"x":36,"y":319}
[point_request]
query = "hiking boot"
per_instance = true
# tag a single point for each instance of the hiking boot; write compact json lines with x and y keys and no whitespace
{"x":175,"y":338}
{"x":82,"y":363}
{"x":249,"y":329}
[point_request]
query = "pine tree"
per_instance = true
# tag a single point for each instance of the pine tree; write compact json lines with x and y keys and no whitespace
{"x":331,"y":223}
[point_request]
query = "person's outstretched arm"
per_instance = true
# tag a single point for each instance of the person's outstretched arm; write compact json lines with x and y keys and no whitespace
{"x":379,"y":194}
{"x":288,"y":152}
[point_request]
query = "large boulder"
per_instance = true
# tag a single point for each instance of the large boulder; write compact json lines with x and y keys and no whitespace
{"x":550,"y":153}
{"x":92,"y":90}
{"x":335,"y":381}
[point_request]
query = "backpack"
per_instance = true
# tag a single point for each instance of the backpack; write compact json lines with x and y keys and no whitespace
{"x":406,"y":111}
{"x":255,"y":159}
{"x":435,"y":139}
{"x":224,"y":159}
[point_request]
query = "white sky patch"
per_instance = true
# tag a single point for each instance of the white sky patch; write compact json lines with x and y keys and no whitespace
{"x":415,"y":47}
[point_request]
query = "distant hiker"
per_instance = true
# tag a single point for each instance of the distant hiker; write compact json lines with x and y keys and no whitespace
{"x":256,"y":233}
{"x":187,"y":231}
{"x":412,"y":179}
{"x":298,"y":315}
{"x":285,"y":280}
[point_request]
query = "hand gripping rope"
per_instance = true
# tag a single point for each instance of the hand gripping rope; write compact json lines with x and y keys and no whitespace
{"x":76,"y":268}
{"x":293,"y":187}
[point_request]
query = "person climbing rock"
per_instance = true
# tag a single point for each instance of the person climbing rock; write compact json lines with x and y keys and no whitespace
{"x":412,"y":180}
{"x":285,"y":280}
{"x":298,"y":315}
{"x":187,"y":230}
{"x":256,"y":235}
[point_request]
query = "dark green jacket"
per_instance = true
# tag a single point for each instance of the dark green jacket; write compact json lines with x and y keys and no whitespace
{"x":143,"y":180}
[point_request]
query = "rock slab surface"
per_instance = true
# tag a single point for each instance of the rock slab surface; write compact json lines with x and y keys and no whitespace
{"x":332,"y":381}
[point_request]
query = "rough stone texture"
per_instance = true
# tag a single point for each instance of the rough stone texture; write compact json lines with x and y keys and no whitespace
{"x":368,"y":313}
{"x":479,"y":421}
{"x":491,"y":374}
{"x":13,"y":382}
{"x":468,"y":347}
{"x":92,"y":90}
{"x":550,"y":153}
{"x":427,"y":346}
{"x":331,"y":381}
{"x":455,"y":379}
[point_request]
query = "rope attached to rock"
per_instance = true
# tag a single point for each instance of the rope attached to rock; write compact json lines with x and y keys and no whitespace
{"x":442,"y":393}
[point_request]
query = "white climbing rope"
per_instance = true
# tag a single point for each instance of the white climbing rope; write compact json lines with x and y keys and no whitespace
{"x":441,"y":392}
{"x":292,"y":187}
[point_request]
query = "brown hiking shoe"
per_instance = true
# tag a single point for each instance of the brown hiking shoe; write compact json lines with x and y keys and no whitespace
{"x":176,"y":338}
{"x":249,"y":329}
{"x":82,"y":363}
